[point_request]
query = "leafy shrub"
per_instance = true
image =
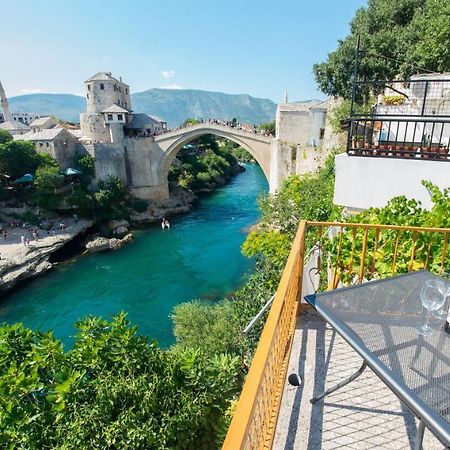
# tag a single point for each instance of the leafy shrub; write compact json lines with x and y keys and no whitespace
{"x":139,"y":205}
{"x":114,"y":389}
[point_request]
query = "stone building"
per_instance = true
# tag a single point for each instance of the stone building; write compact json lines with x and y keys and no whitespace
{"x":57,"y":142}
{"x":15,"y":128}
{"x":43,"y":123}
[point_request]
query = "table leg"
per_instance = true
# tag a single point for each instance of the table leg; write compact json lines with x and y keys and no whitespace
{"x":419,"y":435}
{"x":341,"y":384}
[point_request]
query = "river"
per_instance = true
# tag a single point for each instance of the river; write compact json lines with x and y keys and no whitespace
{"x":198,"y":258}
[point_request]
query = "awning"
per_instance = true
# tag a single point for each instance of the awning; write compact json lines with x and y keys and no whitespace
{"x":27,"y":178}
{"x":70,"y":171}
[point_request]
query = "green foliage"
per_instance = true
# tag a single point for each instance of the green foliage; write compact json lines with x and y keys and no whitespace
{"x":308,"y":197}
{"x":109,"y":199}
{"x":218,"y":328}
{"x":82,"y":202}
{"x":86,"y":163}
{"x":394,"y":99}
{"x":268,"y":127}
{"x":48,"y":179}
{"x":271,"y":244}
{"x":139,"y":205}
{"x":399,"y":211}
{"x":114,"y":389}
{"x":18,"y":158}
{"x":204,"y":167}
{"x":342,"y":111}
{"x":412,"y":34}
{"x":190,"y":121}
{"x":243,"y":155}
{"x":5,"y":137}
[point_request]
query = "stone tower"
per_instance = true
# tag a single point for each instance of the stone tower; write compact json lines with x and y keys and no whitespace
{"x":4,"y":104}
{"x":108,"y":108}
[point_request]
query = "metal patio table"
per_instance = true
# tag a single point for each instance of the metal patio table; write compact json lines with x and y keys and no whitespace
{"x":378,"y":319}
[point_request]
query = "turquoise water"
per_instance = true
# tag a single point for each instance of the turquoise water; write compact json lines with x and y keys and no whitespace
{"x":198,"y":258}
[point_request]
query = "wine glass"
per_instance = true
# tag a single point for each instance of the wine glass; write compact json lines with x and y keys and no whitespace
{"x":444,"y":288}
{"x":432,"y":300}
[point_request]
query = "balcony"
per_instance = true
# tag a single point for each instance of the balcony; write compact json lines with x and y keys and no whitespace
{"x":273,"y":414}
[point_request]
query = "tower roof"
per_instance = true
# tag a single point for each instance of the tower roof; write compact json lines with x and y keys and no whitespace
{"x":103,"y":76}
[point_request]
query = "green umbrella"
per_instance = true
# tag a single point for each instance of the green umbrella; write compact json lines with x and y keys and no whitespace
{"x":70,"y":171}
{"x":27,"y":178}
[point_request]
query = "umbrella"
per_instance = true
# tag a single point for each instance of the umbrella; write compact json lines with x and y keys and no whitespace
{"x":27,"y":178}
{"x":70,"y":171}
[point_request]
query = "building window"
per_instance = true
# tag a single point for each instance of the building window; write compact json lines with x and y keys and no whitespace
{"x":87,"y":96}
{"x":47,"y":144}
{"x":110,"y":117}
{"x":322,"y":133}
{"x":102,"y":86}
{"x":41,"y":144}
{"x":119,"y":117}
{"x":89,"y":87}
{"x":126,"y":91}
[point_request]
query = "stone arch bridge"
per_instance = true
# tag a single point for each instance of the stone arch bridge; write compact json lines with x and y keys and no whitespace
{"x":257,"y":145}
{"x":144,"y":162}
{"x":150,"y":180}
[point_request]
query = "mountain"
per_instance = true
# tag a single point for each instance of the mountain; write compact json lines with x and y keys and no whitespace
{"x":63,"y":106}
{"x":173,"y":105}
{"x":176,"y":105}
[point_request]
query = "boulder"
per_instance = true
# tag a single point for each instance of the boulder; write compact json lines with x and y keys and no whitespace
{"x":101,"y":244}
{"x":114,"y":224}
{"x":120,"y":231}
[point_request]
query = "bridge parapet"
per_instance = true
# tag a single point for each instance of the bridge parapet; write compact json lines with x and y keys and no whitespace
{"x":212,"y":127}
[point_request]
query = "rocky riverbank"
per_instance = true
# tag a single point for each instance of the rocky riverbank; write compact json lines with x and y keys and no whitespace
{"x":20,"y":261}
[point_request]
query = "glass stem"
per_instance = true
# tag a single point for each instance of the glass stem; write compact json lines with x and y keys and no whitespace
{"x":427,"y":320}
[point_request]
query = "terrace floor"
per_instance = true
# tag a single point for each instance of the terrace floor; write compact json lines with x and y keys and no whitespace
{"x":365,"y":414}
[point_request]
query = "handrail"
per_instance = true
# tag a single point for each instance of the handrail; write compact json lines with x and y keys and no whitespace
{"x":254,"y":421}
{"x":258,"y":315}
{"x":376,"y":226}
{"x":271,"y":356}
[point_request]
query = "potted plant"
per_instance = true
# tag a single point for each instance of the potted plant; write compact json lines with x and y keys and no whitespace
{"x":358,"y":141}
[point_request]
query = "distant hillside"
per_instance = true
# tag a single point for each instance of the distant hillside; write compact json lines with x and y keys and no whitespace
{"x":63,"y":106}
{"x":173,"y":105}
{"x":176,"y":105}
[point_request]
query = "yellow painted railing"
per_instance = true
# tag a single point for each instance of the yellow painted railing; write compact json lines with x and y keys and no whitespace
{"x":355,"y":253}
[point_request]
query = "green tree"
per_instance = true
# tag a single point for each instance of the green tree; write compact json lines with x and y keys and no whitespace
{"x":18,"y":158}
{"x":5,"y":137}
{"x":114,"y":389}
{"x":398,"y":38}
{"x":86,"y":164}
{"x":190,"y":121}
{"x":268,"y":127}
{"x":48,"y":179}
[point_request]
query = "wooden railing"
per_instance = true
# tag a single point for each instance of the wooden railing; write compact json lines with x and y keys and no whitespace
{"x":348,"y":253}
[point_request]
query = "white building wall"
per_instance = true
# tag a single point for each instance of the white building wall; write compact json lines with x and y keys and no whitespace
{"x":364,"y":182}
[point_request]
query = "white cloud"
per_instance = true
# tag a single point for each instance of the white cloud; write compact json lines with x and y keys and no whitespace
{"x":31,"y":91}
{"x":168,"y":73}
{"x":173,"y":86}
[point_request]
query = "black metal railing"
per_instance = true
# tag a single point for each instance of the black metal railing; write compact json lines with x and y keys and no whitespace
{"x":426,"y":97}
{"x":399,"y":137}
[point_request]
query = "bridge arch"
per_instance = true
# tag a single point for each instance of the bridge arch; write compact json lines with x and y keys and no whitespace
{"x":257,"y":145}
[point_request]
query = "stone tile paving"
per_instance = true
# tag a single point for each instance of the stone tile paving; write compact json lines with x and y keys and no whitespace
{"x":362,"y":415}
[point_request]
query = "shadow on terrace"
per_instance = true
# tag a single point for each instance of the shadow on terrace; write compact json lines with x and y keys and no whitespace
{"x":299,"y":346}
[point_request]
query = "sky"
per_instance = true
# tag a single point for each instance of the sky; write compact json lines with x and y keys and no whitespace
{"x":257,"y":47}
